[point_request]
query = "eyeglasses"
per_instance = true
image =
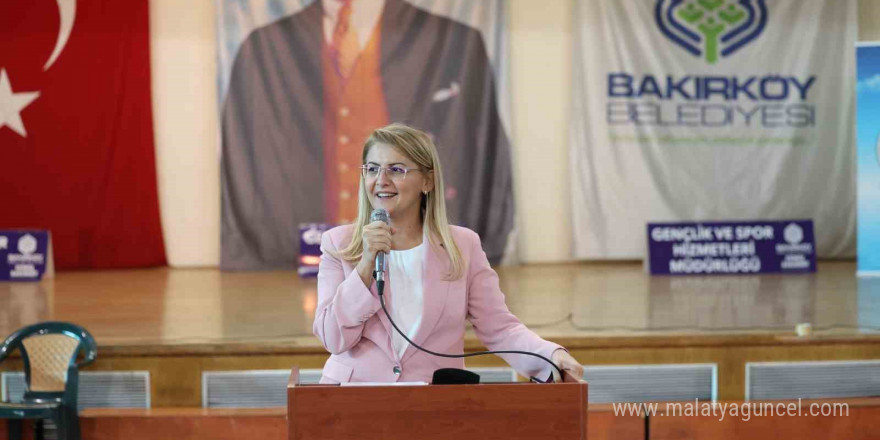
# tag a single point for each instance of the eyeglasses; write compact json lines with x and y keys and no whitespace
{"x":394,"y":172}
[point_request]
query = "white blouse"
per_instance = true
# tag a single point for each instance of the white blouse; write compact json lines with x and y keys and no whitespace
{"x":407,"y":297}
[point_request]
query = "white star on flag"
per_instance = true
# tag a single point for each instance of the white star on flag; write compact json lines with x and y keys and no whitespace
{"x":11,"y":105}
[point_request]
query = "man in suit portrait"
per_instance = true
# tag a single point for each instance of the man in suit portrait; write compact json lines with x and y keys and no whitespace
{"x":304,"y":93}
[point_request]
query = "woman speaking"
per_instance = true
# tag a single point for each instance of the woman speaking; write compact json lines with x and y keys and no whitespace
{"x":437,"y":277}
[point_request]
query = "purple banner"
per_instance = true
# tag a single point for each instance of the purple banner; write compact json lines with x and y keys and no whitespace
{"x":310,"y":247}
{"x":23,"y":254}
{"x":708,"y":248}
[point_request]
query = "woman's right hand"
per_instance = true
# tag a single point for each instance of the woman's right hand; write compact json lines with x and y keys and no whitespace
{"x":376,"y":238}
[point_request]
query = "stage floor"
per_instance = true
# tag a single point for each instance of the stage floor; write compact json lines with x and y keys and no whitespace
{"x":178,"y":323}
{"x":194,"y":307}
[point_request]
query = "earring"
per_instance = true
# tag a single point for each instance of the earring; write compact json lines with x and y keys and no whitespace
{"x":425,"y":193}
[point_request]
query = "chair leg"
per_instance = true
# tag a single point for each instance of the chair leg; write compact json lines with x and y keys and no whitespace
{"x":67,"y":423}
{"x":73,"y":432}
{"x":39,"y":431}
{"x":13,"y":429}
{"x":60,"y":421}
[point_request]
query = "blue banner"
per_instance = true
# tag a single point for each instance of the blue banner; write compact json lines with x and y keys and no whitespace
{"x":310,"y":247}
{"x":23,"y":255}
{"x":868,"y":154}
{"x":731,"y":247}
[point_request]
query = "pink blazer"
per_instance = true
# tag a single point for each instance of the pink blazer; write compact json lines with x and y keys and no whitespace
{"x":351,"y":325}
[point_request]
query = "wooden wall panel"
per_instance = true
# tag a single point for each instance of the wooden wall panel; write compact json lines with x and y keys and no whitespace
{"x":175,"y":378}
{"x":271,"y":424}
{"x":863,"y":422}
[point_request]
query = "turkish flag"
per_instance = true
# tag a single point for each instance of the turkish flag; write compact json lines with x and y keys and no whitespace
{"x":76,"y":130}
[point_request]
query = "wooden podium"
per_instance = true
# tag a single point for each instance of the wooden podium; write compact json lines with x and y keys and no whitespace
{"x":459,"y":412}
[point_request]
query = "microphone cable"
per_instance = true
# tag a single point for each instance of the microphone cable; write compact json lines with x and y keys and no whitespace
{"x":380,"y":287}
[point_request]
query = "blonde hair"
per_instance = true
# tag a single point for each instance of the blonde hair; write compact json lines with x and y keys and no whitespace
{"x":418,"y":147}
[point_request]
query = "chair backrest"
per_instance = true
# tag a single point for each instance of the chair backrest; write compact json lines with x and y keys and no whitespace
{"x":49,"y":352}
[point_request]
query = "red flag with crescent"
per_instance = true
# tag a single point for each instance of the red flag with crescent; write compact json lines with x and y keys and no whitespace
{"x":76,"y":130}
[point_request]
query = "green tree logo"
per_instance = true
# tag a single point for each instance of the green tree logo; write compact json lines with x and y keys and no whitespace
{"x":711,"y":29}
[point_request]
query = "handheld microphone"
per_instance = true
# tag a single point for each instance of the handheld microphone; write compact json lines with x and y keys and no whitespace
{"x":380,"y":215}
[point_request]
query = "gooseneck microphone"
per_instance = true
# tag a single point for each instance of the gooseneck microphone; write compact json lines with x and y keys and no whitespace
{"x":380,"y":214}
{"x":478,"y":353}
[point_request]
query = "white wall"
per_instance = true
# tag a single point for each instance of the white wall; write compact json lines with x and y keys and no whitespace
{"x":869,"y":20}
{"x":540,"y":63}
{"x":183,"y":49}
{"x":187,"y":137}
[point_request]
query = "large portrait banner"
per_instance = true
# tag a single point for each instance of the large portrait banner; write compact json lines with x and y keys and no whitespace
{"x":303,"y":83}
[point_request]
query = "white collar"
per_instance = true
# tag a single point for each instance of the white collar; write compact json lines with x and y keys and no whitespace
{"x":365,"y":16}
